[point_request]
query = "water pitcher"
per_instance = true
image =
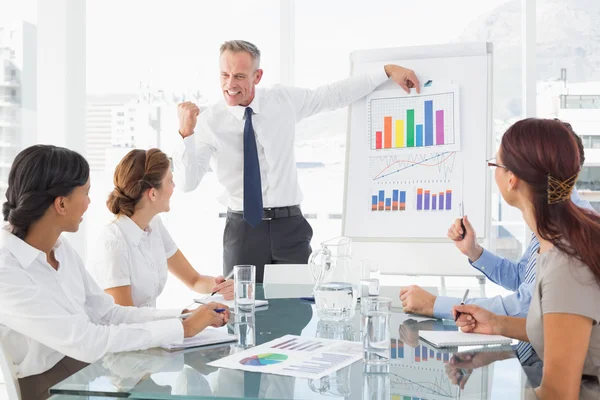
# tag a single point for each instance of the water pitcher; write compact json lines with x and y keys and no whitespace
{"x":335,"y":289}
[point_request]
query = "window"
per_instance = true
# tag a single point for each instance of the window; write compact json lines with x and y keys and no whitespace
{"x":167,"y":70}
{"x":17,"y":56}
{"x":586,"y":141}
{"x":589,"y":179}
{"x":580,"y":101}
{"x":591,"y":141}
{"x":567,"y":91}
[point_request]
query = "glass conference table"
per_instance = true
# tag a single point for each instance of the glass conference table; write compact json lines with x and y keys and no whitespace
{"x":416,"y":370}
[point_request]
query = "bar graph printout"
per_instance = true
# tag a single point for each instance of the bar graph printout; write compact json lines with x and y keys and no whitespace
{"x":296,"y":356}
{"x":415,"y":177}
{"x":427,"y":121}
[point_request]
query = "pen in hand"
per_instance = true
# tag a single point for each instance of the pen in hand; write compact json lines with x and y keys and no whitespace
{"x":229,"y":275}
{"x":462,"y":303}
{"x":462,"y":224}
{"x":217,"y":310}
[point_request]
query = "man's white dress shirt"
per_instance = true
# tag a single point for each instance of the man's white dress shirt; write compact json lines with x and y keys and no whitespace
{"x":219,"y":136}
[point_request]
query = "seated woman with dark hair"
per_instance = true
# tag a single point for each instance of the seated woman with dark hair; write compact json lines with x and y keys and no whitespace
{"x":536,"y":169}
{"x":134,"y":253}
{"x":54,"y":318}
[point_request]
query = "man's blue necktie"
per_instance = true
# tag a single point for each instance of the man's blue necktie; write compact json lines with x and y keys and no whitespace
{"x":253,"y":205}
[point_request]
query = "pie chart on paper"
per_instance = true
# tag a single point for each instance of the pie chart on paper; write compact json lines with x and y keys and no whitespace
{"x":262,"y":360}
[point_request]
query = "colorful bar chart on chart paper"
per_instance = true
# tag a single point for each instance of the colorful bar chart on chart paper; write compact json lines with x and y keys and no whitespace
{"x":299,"y":345}
{"x":387,"y":132}
{"x":420,"y":121}
{"x":420,"y":354}
{"x":397,"y":347}
{"x":428,"y":201}
{"x":393,"y":200}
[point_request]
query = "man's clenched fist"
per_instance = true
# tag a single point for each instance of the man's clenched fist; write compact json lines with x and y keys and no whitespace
{"x":188,"y":115}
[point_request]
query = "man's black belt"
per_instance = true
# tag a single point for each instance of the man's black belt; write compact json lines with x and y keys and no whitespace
{"x":276,"y":212}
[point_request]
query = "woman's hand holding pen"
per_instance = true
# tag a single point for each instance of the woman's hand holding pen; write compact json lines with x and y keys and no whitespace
{"x":467,"y":245}
{"x":224,"y":286}
{"x":212,"y":314}
{"x":475,"y":319}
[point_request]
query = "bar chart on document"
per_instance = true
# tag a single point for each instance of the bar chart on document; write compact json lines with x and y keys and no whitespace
{"x":415,"y":167}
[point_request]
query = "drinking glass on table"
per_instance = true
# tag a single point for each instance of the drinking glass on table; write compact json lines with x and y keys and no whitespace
{"x":375,"y":317}
{"x":244,"y":329}
{"x":376,"y":382}
{"x":245,"y":278}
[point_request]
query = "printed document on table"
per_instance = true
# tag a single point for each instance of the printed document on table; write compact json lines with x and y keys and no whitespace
{"x":290,"y":355}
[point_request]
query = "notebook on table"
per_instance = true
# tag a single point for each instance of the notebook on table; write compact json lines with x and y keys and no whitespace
{"x":458,"y":338}
{"x":207,"y":337}
{"x":229,"y":303}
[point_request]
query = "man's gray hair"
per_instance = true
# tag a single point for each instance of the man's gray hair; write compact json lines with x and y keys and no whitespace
{"x":236,"y":46}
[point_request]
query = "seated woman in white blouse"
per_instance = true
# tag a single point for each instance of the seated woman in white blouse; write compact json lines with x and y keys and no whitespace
{"x":53,"y":316}
{"x":135,"y":251}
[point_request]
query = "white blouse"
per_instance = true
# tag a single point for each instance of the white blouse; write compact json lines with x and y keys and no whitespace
{"x":47,"y":313}
{"x":126,"y":255}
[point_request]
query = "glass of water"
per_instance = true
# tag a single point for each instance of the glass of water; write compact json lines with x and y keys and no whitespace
{"x":375,"y":317}
{"x":244,"y":329}
{"x":376,"y":382}
{"x":244,"y":277}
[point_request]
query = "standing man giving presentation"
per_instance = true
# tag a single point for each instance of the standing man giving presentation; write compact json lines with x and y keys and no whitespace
{"x":250,"y":137}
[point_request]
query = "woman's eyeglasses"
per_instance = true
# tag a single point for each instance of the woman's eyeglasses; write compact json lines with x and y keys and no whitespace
{"x":493,"y":164}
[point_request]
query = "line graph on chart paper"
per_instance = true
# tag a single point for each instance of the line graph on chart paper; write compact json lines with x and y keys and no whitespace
{"x":435,"y":387}
{"x":413,"y":166}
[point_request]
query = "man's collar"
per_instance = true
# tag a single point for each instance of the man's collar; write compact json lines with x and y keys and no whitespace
{"x":239,"y":111}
